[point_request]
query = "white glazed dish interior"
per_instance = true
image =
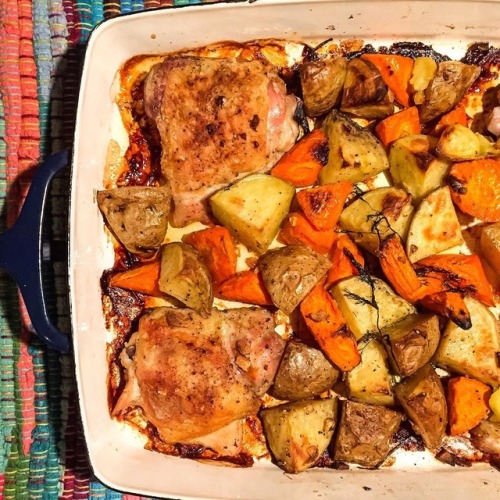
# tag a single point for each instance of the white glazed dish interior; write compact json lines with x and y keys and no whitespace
{"x":116,"y":451}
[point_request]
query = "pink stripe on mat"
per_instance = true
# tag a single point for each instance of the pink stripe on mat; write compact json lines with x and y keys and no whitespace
{"x":73,"y":22}
{"x":11,"y":87}
{"x":26,"y":385}
{"x":28,"y":156}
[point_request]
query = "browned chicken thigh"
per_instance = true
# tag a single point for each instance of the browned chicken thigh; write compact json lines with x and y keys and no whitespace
{"x":219,"y":120}
{"x":193,"y":375}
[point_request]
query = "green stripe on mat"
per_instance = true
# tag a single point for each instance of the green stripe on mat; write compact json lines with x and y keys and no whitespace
{"x":7,"y":417}
{"x":44,"y":463}
{"x":17,"y":472}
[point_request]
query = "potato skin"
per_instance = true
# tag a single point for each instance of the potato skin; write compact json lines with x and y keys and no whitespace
{"x":290,"y":273}
{"x":449,"y":85}
{"x":137,"y":215}
{"x":322,"y":83}
{"x":355,"y":153}
{"x":422,"y":397}
{"x":365,"y":92}
{"x":298,"y":433}
{"x":486,"y":437}
{"x":412,"y":342}
{"x":304,"y":372}
{"x":364,"y":433}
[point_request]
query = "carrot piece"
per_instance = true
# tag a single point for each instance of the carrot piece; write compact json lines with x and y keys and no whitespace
{"x":461,"y":273}
{"x":475,"y":188}
{"x":451,"y":305}
{"x":143,"y":279}
{"x":301,"y":165}
{"x":322,"y":205}
{"x":217,"y":249}
{"x":467,"y":404}
{"x":245,"y":286}
{"x":398,"y":269}
{"x":297,"y":230}
{"x":406,"y":122}
{"x":329,"y":328}
{"x":396,"y":72}
{"x":343,"y":252}
{"x":456,"y":116}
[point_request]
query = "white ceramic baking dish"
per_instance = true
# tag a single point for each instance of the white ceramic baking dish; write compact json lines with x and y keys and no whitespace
{"x":116,"y":451}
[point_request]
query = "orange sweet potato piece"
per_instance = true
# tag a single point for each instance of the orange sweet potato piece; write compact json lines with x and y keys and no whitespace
{"x":398,"y":269}
{"x":341,"y":255}
{"x":142,"y":279}
{"x":396,"y":72}
{"x":406,"y":122}
{"x":475,"y":188}
{"x":322,"y":205}
{"x":461,"y":273}
{"x":467,"y":404}
{"x":451,"y":305}
{"x":297,"y":230}
{"x":456,"y":116}
{"x":301,"y":165}
{"x":325,"y":321}
{"x":217,"y":249}
{"x":246,"y":286}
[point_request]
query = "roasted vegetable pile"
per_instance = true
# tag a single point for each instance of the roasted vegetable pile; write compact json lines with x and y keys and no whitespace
{"x":375,"y":239}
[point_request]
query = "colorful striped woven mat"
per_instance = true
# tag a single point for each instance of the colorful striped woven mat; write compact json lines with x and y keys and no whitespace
{"x":42,"y":448}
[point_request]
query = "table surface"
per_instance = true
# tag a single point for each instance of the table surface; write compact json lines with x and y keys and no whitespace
{"x":42,"y":448}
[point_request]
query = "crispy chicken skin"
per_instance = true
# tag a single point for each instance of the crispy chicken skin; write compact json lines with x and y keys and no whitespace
{"x":194,"y":375}
{"x":218,"y":120}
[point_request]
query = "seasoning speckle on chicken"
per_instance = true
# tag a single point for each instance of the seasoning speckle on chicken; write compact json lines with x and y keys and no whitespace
{"x":218,"y":120}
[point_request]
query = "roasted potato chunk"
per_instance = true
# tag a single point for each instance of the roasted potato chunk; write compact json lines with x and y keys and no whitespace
{"x":424,"y":69}
{"x":435,"y":226}
{"x":184,"y":276}
{"x":412,"y":342}
{"x":365,"y":92}
{"x":447,"y":88}
{"x":494,"y":404}
{"x":290,"y":273}
{"x":422,"y":397}
{"x":355,"y":153}
{"x":368,"y":304}
{"x":298,"y":433}
{"x":253,"y":209}
{"x":376,"y":215}
{"x":322,"y":83}
{"x":472,"y":352}
{"x":490,"y":245}
{"x":459,"y":143}
{"x":415,"y":167}
{"x":486,"y":437}
{"x":365,"y":432}
{"x":370,"y":381}
{"x":304,"y":372}
{"x":137,"y":216}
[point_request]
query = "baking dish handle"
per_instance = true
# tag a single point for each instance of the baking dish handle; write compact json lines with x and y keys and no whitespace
{"x":21,"y":252}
